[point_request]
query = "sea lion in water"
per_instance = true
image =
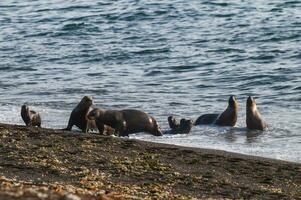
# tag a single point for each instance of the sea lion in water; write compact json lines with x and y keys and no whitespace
{"x":227,"y":118}
{"x":173,"y":122}
{"x":183,"y":127}
{"x":78,"y":116}
{"x":125,"y":121}
{"x":30,"y":117}
{"x":206,"y":119}
{"x":253,"y":119}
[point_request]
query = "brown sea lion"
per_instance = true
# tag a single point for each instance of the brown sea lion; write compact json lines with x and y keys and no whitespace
{"x":125,"y":121}
{"x":30,"y":117}
{"x":78,"y":116}
{"x":226,"y":118}
{"x":183,"y":127}
{"x":253,"y":119}
{"x":229,"y":116}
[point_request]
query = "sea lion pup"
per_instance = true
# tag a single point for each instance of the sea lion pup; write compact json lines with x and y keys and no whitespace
{"x":30,"y":117}
{"x":183,"y":127}
{"x":253,"y":119}
{"x":78,"y":116}
{"x":173,"y":122}
{"x":227,"y":118}
{"x":125,"y":121}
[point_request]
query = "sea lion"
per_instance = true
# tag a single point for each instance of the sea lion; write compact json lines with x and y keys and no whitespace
{"x":229,"y":116}
{"x":226,"y":118}
{"x":125,"y":121}
{"x":173,"y":122}
{"x":183,"y":127}
{"x":78,"y":116}
{"x":254,"y":120}
{"x":206,"y":119}
{"x":30,"y":117}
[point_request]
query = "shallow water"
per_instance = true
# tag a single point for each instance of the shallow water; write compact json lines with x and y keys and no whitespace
{"x":164,"y":57}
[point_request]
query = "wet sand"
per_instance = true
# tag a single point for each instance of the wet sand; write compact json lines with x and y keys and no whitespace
{"x":38,"y":163}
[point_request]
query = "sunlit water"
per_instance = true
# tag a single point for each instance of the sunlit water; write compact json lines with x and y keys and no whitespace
{"x":164,"y":57}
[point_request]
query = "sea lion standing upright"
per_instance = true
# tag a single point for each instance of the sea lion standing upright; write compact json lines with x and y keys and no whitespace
{"x":78,"y":116}
{"x":226,"y":118}
{"x":30,"y":117}
{"x":125,"y":121}
{"x":254,"y":120}
{"x":229,"y":116}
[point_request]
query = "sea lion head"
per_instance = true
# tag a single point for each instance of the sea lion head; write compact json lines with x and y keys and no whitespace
{"x":24,"y":108}
{"x":93,"y":114}
{"x":86,"y":102}
{"x":251,"y":103}
{"x":172,"y":121}
{"x":186,"y":125}
{"x":233,"y":102}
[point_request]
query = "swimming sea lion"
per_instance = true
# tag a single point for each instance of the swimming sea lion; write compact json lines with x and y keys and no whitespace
{"x":78,"y":116}
{"x":253,"y":119}
{"x":206,"y":119}
{"x":125,"y":121}
{"x":30,"y":117}
{"x":227,"y":118}
{"x":183,"y":127}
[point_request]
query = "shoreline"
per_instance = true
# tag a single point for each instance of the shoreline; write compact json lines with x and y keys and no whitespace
{"x":90,"y":165}
{"x":220,"y":152}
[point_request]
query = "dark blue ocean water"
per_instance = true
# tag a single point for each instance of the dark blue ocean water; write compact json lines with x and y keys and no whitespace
{"x":164,"y":57}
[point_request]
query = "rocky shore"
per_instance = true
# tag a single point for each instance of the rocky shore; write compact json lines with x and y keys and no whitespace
{"x":37,"y":163}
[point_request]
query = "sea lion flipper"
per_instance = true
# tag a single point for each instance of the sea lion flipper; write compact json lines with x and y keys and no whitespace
{"x":85,"y":129}
{"x":101,"y":128}
{"x":121,"y":128}
{"x":70,"y":124}
{"x":71,"y":121}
